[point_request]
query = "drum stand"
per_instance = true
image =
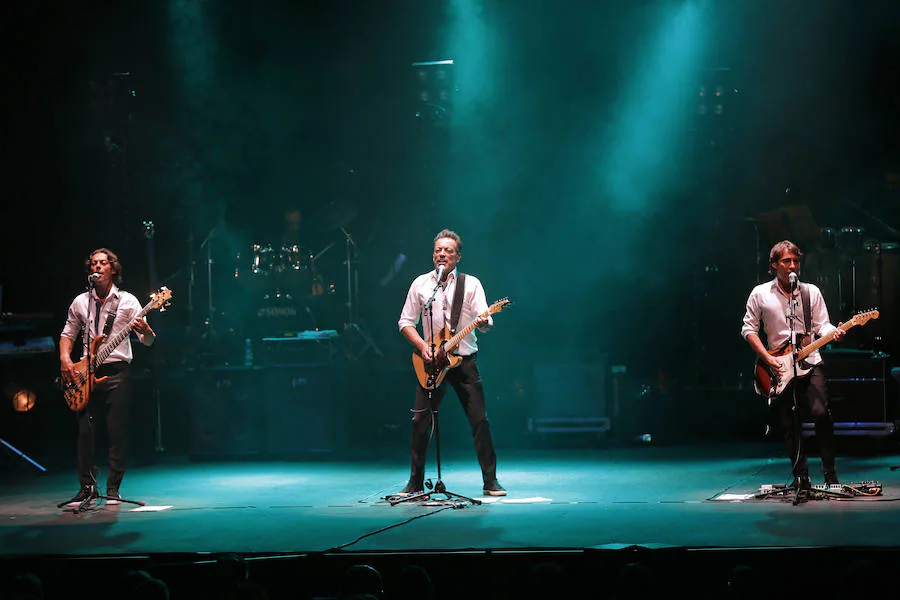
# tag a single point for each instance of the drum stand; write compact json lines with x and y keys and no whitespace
{"x":352,"y":300}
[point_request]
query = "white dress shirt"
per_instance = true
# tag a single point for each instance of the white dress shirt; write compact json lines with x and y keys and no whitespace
{"x":82,"y":313}
{"x":769,"y":306}
{"x":474,"y":303}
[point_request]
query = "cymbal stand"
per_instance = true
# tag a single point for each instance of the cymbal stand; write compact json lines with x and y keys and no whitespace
{"x":209,"y":262}
{"x":353,"y":300}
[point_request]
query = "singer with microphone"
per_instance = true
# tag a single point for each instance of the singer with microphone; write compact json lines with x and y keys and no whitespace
{"x":790,"y":312}
{"x":103,"y":309}
{"x":432,"y":298}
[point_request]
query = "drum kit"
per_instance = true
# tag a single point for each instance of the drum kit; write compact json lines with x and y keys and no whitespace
{"x":285,"y":289}
{"x":280,"y":289}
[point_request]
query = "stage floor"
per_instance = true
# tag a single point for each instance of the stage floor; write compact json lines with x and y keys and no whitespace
{"x":649,"y":496}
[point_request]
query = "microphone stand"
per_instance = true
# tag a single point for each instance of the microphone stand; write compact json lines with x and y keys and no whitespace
{"x":439,"y":487}
{"x":800,"y":495}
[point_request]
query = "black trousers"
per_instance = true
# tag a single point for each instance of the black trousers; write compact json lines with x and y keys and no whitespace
{"x":812,"y":402}
{"x":466,"y":381}
{"x":109,"y":400}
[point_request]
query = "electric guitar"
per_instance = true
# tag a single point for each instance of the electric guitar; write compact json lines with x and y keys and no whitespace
{"x":431,"y":374}
{"x":770,"y":385}
{"x":77,"y":392}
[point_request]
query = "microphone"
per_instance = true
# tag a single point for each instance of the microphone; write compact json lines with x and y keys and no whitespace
{"x":93,"y":277}
{"x":793,"y":277}
{"x":440,"y":273}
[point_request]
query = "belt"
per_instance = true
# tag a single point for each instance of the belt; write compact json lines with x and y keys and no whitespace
{"x":111,"y":368}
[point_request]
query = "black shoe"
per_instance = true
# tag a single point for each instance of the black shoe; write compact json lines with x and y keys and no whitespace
{"x":831,"y":478}
{"x":113,"y":496}
{"x":85,"y":493}
{"x":493,"y":488}
{"x":412,"y":487}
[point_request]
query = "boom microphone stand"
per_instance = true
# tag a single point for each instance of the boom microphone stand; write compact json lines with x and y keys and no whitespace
{"x":439,"y":487}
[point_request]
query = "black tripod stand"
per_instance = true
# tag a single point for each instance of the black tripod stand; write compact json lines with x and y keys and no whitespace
{"x":439,"y":488}
{"x":85,"y":504}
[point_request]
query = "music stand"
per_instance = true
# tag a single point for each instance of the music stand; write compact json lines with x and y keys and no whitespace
{"x":795,"y":223}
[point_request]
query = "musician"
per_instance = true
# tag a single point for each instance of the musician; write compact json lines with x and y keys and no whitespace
{"x":775,"y":304}
{"x":91,"y":311}
{"x":465,"y":378}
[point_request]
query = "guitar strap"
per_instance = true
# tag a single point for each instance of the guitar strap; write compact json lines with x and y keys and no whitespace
{"x":807,"y":314}
{"x":457,"y":302}
{"x":113,"y":309}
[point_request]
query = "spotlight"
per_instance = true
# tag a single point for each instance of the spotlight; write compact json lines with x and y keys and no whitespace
{"x":23,"y":400}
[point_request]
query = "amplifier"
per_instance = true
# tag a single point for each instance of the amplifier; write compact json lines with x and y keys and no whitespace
{"x":861,"y":393}
{"x":256,"y":411}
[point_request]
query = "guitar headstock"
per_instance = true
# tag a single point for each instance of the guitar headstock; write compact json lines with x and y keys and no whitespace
{"x":499,"y":305}
{"x":160,"y":298}
{"x":863,"y":317}
{"x":149,"y":229}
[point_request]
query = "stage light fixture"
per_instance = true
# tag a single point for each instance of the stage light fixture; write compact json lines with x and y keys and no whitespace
{"x":22,"y":397}
{"x":434,"y":90}
{"x":23,"y":400}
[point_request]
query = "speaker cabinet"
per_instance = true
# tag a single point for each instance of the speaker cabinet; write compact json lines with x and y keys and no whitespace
{"x":859,"y":389}
{"x":262,"y":411}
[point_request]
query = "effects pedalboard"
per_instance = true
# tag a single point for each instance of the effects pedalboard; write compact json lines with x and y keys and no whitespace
{"x":824,"y":491}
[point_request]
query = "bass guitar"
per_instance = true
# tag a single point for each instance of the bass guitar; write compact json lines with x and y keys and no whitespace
{"x":431,"y":374}
{"x":77,"y":392}
{"x":769,"y":385}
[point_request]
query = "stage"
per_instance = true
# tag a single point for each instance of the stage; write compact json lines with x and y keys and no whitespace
{"x":561,"y":502}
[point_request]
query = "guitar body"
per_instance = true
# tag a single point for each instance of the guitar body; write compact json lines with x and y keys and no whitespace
{"x":431,"y":374}
{"x":770,"y":385}
{"x":767,"y":384}
{"x":77,"y":393}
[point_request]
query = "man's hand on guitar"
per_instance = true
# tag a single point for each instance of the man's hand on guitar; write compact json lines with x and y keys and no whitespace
{"x":839,"y":333}
{"x":142,"y":327}
{"x":775,"y":367}
{"x":425,"y":351}
{"x":67,"y":371}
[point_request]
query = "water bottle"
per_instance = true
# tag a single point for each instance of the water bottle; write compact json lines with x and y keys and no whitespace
{"x":248,"y":352}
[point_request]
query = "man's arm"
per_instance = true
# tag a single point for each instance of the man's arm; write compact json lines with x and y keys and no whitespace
{"x":144,"y":331}
{"x":412,"y":335}
{"x":66,"y":368}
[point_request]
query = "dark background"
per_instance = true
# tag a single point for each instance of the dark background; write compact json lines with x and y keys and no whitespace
{"x":571,"y":157}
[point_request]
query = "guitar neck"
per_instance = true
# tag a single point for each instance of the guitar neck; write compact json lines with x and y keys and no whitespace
{"x":456,"y":339}
{"x":113,"y":342}
{"x":826,"y":339}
